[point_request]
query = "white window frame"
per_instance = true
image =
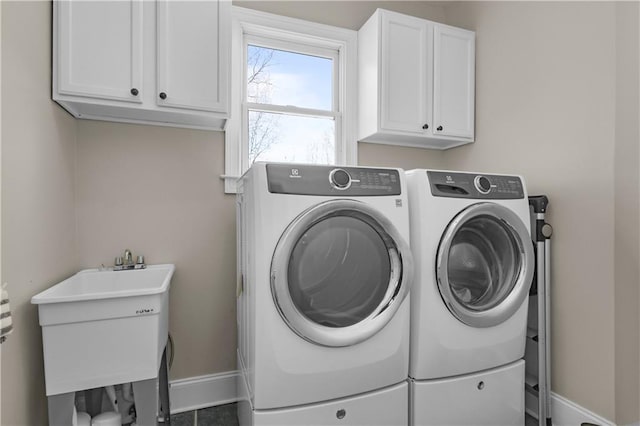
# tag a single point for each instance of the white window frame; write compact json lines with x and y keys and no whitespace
{"x":256,"y":25}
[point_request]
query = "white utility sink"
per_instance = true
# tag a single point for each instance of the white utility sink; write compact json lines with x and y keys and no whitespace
{"x":104,"y":327}
{"x":93,"y":284}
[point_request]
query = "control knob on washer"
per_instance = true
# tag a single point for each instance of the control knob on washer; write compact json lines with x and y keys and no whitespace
{"x":340,"y":179}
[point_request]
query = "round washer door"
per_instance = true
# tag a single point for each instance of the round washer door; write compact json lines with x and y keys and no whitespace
{"x":485,"y":264}
{"x":340,"y":272}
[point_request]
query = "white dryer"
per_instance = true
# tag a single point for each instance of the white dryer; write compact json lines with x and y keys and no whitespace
{"x":323,"y":307}
{"x":474,"y":266}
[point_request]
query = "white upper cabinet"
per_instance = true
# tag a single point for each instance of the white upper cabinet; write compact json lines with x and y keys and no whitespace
{"x":163,"y":62}
{"x":417,"y":82}
{"x":188,"y":71}
{"x":453,"y":82}
{"x":100,"y":49}
{"x":404,"y":75}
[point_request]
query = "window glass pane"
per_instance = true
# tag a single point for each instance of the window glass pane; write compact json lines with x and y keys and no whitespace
{"x":291,"y":138}
{"x":339,"y":271}
{"x":286,"y":78}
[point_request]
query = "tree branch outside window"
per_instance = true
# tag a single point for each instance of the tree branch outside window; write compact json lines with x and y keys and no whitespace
{"x":263,"y":127}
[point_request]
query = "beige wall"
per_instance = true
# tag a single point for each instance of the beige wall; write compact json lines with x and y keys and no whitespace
{"x":627,"y":234}
{"x":395,"y":156}
{"x":546,"y":108}
{"x":158,"y":192}
{"x":76,"y":193}
{"x":38,"y":202}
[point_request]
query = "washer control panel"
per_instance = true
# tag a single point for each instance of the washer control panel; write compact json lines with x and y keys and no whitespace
{"x":332,"y":180}
{"x":474,"y":185}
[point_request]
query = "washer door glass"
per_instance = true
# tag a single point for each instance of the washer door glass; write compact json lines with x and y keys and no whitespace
{"x":485,"y":265}
{"x":339,"y":273}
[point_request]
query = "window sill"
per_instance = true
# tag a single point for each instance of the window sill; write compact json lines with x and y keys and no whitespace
{"x":230,"y":183}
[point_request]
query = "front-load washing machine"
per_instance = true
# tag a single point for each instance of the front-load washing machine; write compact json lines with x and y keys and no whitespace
{"x":474,"y":265}
{"x":323,"y":308}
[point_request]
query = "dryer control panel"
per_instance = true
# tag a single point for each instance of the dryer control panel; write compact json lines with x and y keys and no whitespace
{"x":474,"y":185}
{"x":332,"y":180}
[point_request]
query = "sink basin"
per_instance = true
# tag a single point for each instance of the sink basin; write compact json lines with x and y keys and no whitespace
{"x":104,"y":327}
{"x":93,"y":284}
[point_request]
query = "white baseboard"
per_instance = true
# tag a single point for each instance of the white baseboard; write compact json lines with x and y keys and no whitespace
{"x":203,"y":391}
{"x":565,"y":412}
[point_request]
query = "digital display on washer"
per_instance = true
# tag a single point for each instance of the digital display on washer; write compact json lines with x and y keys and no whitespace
{"x":475,"y":185}
{"x":332,"y":180}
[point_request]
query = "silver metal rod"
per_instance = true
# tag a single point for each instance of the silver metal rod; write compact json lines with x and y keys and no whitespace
{"x":547,"y":322}
{"x":542,"y":337}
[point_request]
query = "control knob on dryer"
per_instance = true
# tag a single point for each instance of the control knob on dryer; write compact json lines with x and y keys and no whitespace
{"x":340,"y":179}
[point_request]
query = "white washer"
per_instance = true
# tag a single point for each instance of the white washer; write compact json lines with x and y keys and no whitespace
{"x":474,"y":265}
{"x":323,"y":307}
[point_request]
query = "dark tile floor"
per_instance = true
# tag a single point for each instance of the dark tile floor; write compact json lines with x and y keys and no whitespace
{"x":221,"y":415}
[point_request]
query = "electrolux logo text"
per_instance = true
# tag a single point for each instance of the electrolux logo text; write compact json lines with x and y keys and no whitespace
{"x":295,"y":173}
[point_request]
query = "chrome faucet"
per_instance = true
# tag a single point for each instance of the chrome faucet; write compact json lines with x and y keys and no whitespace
{"x":126,"y":262}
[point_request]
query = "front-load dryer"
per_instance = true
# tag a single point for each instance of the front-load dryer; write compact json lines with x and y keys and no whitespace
{"x":323,"y":309}
{"x":474,"y":265}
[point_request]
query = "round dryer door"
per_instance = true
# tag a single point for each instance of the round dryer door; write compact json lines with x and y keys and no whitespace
{"x":340,"y":272}
{"x":485,"y":264}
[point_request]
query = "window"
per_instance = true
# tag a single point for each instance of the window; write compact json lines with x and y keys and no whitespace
{"x":293,"y":93}
{"x":290,"y":104}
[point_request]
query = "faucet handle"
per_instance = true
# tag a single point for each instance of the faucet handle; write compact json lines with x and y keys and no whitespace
{"x":140,"y":263}
{"x":118,"y":261}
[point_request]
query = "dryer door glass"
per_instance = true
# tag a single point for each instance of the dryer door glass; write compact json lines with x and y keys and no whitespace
{"x":485,"y":265}
{"x":340,"y":272}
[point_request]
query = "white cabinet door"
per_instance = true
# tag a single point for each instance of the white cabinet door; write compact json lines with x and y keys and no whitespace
{"x":453,"y":82}
{"x":405,"y":73}
{"x":99,"y":49}
{"x":190,"y":54}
